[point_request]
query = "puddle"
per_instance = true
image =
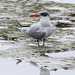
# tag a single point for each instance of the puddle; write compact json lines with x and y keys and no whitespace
{"x":64,"y":1}
{"x":4,"y":47}
{"x":69,"y":28}
{"x":6,"y":41}
{"x":9,"y":67}
{"x":63,"y":72}
{"x":1,"y":27}
{"x":62,"y":54}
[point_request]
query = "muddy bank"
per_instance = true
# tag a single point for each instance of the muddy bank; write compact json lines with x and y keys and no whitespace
{"x":16,"y":45}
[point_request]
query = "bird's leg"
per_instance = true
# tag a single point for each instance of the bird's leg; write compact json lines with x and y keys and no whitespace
{"x":38,"y":42}
{"x":43,"y":41}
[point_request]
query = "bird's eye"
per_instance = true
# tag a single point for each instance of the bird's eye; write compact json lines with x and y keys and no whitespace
{"x":41,"y":13}
{"x":44,"y":14}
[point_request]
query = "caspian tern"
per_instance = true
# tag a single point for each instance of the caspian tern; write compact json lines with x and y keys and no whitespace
{"x":39,"y":30}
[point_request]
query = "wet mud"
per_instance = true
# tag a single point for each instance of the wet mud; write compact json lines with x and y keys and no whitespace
{"x":20,"y":47}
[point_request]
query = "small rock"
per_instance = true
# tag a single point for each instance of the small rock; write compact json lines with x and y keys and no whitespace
{"x":55,"y":69}
{"x":8,"y":18}
{"x":60,"y":24}
{"x":19,"y":61}
{"x":72,"y":14}
{"x":65,"y":68}
{"x":57,"y":50}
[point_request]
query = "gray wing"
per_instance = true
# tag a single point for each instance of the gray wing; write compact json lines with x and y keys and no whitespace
{"x":36,"y":32}
{"x":33,"y":31}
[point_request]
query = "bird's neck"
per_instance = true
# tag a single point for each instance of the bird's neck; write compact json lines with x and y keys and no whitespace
{"x":45,"y":22}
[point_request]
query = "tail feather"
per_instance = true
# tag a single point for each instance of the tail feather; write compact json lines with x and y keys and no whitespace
{"x":20,"y":28}
{"x":18,"y":24}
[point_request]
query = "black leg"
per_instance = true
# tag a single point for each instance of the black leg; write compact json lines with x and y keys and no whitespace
{"x":38,"y":42}
{"x":43,"y":41}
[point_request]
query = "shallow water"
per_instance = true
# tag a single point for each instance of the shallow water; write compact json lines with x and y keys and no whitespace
{"x":19,"y":69}
{"x":4,"y":47}
{"x":65,"y":1}
{"x":27,"y":68}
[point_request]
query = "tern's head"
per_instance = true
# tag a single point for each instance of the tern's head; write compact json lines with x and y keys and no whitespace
{"x":44,"y":14}
{"x":41,"y":14}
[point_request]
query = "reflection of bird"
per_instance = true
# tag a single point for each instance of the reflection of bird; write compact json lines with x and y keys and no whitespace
{"x":39,"y":30}
{"x":44,"y":71}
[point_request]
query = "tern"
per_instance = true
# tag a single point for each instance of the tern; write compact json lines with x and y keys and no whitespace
{"x":40,"y":30}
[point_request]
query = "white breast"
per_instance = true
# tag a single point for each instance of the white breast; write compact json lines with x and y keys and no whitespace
{"x":46,"y":26}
